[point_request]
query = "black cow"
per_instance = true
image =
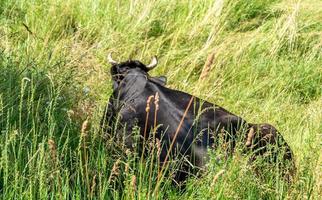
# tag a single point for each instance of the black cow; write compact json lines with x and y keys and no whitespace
{"x":185,"y":124}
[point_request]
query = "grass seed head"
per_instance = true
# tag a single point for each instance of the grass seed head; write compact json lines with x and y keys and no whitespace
{"x":147,"y":109}
{"x":133,"y":182}
{"x":115,"y":170}
{"x":93,"y":184}
{"x":84,"y":129}
{"x":156,"y":101}
{"x":207,"y":66}
{"x":52,"y":149}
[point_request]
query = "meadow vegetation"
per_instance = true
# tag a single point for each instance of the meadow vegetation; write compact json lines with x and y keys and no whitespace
{"x":260,"y":59}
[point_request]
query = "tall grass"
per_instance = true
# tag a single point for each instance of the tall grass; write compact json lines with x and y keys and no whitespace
{"x":264,"y":63}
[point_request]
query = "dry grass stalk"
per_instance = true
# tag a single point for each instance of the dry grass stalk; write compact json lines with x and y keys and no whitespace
{"x":214,"y":180}
{"x":147,"y":110}
{"x":82,"y":150}
{"x":160,"y":174}
{"x":115,"y":171}
{"x":206,"y":69}
{"x":178,"y":128}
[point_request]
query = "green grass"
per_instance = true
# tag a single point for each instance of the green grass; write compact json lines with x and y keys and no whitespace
{"x":54,"y":76}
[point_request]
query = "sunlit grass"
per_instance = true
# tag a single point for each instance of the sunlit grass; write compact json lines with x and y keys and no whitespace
{"x":266,"y":67}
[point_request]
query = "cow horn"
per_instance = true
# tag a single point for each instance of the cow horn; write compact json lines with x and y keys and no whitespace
{"x":153,"y":63}
{"x":250,"y":137}
{"x":110,"y":59}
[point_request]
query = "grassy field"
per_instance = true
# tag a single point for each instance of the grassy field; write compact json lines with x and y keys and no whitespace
{"x":266,"y":66}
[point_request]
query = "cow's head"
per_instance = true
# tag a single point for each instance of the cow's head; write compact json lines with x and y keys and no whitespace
{"x":120,"y":69}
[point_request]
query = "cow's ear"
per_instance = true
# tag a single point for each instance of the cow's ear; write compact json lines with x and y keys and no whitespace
{"x":162,"y":80}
